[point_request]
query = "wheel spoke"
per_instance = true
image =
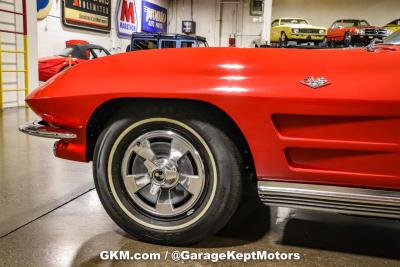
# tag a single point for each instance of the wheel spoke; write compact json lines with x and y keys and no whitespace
{"x":164,"y":204}
{"x":135,"y":182}
{"x":171,"y":175}
{"x":143,"y":150}
{"x":154,"y":189}
{"x":178,"y":150}
{"x":192,"y":183}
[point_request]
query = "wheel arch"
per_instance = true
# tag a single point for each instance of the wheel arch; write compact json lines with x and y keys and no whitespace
{"x":101,"y":118}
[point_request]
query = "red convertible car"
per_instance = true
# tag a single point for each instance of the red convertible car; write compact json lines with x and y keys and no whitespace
{"x":177,"y":147}
{"x":349,"y":32}
{"x":76,"y":51}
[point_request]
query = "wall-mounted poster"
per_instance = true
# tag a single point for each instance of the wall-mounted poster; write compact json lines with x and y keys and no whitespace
{"x":154,"y":18}
{"x":43,"y":8}
{"x":88,"y":14}
{"x":127,"y":20}
{"x":256,"y":7}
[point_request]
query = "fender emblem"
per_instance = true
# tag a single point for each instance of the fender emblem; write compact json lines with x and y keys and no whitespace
{"x":315,"y":83}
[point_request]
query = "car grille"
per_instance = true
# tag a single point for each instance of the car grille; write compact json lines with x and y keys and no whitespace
{"x":308,"y":31}
{"x":375,"y":31}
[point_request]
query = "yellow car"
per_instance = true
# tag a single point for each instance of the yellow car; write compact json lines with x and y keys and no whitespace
{"x":299,"y":30}
{"x":393,"y":26}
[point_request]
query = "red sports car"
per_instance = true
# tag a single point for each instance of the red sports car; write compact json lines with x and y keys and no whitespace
{"x":178,"y":136}
{"x":353,"y":31}
{"x":76,"y":51}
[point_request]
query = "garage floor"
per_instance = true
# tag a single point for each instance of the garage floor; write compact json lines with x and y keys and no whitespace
{"x":53,"y":218}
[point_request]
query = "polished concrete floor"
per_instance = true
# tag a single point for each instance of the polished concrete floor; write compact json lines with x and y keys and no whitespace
{"x":32,"y":180}
{"x":53,"y":219}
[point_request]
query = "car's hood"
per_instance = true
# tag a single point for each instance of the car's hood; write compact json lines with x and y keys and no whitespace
{"x":370,"y":27}
{"x":47,"y":62}
{"x":355,"y":76}
{"x":305,"y":26}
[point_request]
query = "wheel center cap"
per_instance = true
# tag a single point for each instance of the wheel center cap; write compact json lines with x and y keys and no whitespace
{"x":159,"y":175}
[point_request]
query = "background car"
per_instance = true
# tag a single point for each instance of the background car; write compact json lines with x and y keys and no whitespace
{"x":349,"y":32}
{"x":143,"y":41}
{"x":75,"y":52}
{"x":296,"y":29}
{"x":393,"y":26}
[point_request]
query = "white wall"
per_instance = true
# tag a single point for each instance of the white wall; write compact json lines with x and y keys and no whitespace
{"x":47,"y":37}
{"x":236,"y":17}
{"x":52,"y":34}
{"x":236,"y":20}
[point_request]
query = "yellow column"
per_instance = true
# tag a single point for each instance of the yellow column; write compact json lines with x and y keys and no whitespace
{"x":26,"y":65}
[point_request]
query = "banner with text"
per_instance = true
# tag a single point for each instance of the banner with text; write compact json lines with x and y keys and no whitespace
{"x":88,"y":14}
{"x":154,"y":18}
{"x":127,"y":20}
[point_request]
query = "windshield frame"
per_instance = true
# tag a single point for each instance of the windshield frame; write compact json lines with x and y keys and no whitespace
{"x":67,"y":51}
{"x":288,"y":22}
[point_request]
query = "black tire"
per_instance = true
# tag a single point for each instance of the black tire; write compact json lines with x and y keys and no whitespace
{"x":222,"y":164}
{"x":347,"y":39}
{"x":283,"y":40}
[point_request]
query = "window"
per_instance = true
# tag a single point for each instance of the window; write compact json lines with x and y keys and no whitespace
{"x":364,"y":23}
{"x":293,"y":21}
{"x":187,"y":44}
{"x":66,"y":52}
{"x":256,"y":7}
{"x":168,"y":44}
{"x":336,"y":25}
{"x":140,"y":44}
{"x":98,"y":52}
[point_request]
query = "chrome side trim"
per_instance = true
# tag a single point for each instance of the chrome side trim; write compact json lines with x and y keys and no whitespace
{"x":349,"y":200}
{"x":43,"y":130}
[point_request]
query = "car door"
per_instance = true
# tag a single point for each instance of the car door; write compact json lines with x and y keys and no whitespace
{"x":334,"y":30}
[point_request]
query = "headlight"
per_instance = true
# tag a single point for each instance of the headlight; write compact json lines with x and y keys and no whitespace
{"x":361,"y":31}
{"x":321,"y":31}
{"x":296,"y":31}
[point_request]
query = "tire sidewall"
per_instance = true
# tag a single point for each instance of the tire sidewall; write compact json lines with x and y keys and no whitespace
{"x":221,"y":171}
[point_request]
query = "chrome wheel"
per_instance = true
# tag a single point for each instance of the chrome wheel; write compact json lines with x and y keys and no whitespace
{"x":163,"y":173}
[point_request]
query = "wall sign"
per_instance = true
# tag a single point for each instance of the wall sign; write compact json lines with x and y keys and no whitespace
{"x":126,"y":18}
{"x":188,"y":27}
{"x":256,"y":7}
{"x":154,"y":18}
{"x":43,"y":8}
{"x":88,"y":14}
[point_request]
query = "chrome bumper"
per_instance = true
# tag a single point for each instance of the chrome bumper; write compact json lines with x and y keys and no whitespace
{"x":348,"y":200}
{"x":42,"y":129}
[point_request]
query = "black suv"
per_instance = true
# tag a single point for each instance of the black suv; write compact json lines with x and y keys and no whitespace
{"x":141,"y":41}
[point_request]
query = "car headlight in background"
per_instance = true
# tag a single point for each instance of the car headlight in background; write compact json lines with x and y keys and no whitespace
{"x":321,"y":31}
{"x":360,"y":31}
{"x":296,"y":31}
